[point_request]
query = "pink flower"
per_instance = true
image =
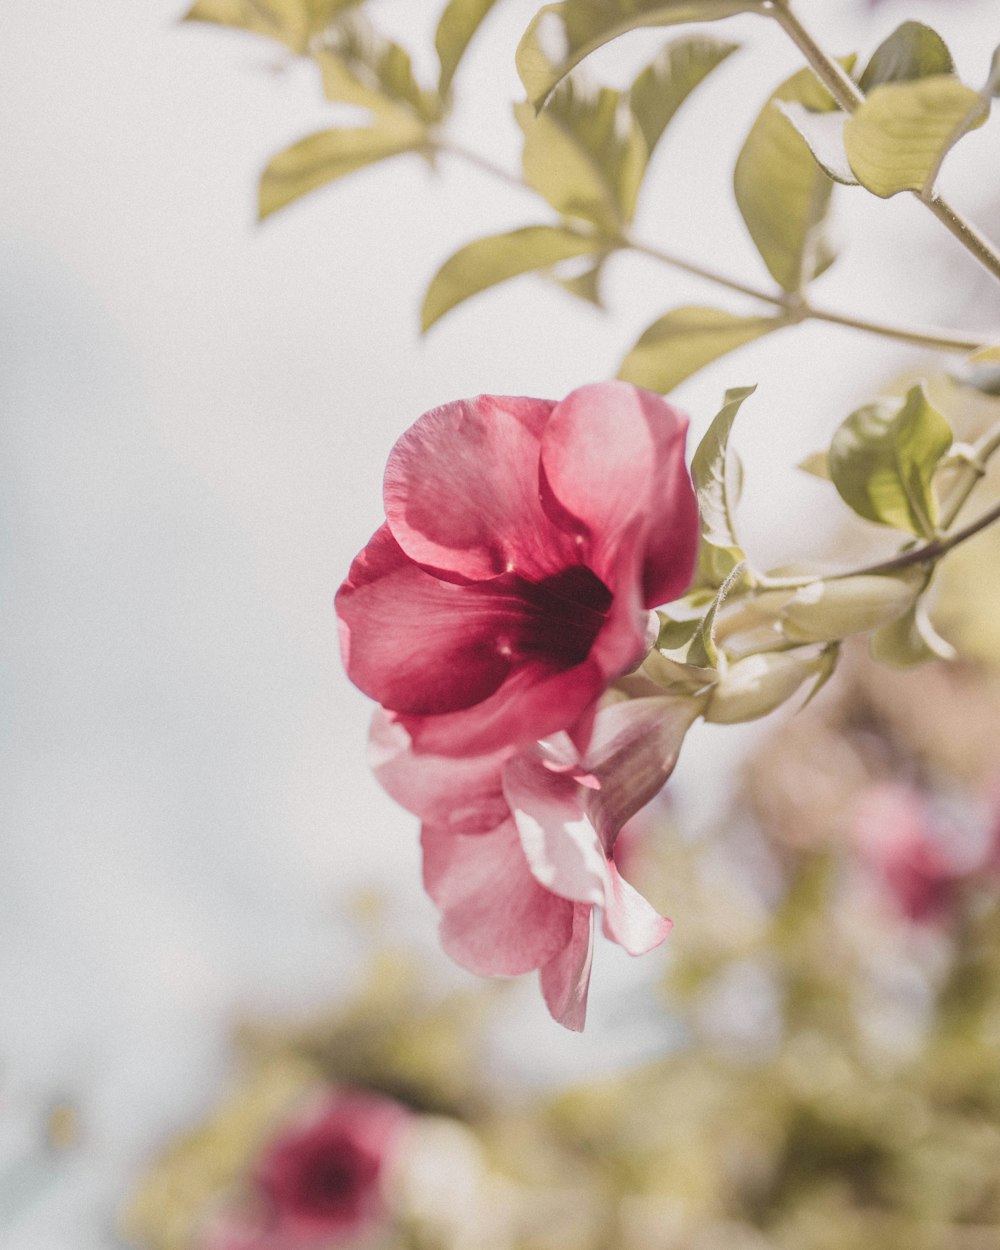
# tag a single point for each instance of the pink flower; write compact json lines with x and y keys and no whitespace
{"x":525,"y":542}
{"x":519,"y":845}
{"x":318,"y":1181}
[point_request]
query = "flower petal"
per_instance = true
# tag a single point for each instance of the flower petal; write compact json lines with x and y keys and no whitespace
{"x":417,"y":644}
{"x":629,"y":919}
{"x":458,"y":795}
{"x":632,"y":752}
{"x":496,"y":919}
{"x":561,"y":845}
{"x":565,"y":979}
{"x":532,"y":703}
{"x":461,"y":490}
{"x":613,"y":453}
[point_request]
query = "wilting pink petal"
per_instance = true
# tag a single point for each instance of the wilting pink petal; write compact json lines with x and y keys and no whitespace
{"x":524,"y":544}
{"x":462,"y":795}
{"x":629,"y":919}
{"x":613,"y":454}
{"x":565,"y":979}
{"x":495,"y":918}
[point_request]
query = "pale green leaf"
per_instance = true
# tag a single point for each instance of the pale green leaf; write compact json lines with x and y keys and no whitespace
{"x":912,"y":51}
{"x":909,"y":640}
{"x":456,"y":27}
{"x":327,"y":155}
{"x":782,"y":194}
{"x":685,"y":340}
{"x":824,"y":134}
{"x":360,"y":66}
{"x":585,"y":155}
{"x":816,"y":464}
{"x":583,"y":283}
{"x":664,"y":85}
{"x":899,"y":136}
{"x":992,"y":86}
{"x":292,"y":22}
{"x":561,"y":35}
{"x":711,"y":476}
{"x":985,"y":356}
{"x":883,"y":459}
{"x":487,"y":262}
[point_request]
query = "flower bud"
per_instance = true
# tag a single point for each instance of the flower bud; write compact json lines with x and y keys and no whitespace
{"x":760,"y":683}
{"x":825,"y":611}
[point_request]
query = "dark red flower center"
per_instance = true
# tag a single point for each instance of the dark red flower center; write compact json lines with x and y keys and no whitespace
{"x":328,"y":1178}
{"x":563,"y":615}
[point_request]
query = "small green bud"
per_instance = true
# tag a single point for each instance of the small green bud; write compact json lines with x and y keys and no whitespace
{"x":760,"y":683}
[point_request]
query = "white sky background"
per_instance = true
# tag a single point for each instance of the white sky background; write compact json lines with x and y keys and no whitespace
{"x":196,"y":412}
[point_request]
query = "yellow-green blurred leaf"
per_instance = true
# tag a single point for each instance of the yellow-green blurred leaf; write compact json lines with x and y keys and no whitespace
{"x":664,"y":85}
{"x":899,"y":136}
{"x":986,"y":356}
{"x":330,"y":154}
{"x":360,"y":66}
{"x":585,"y":155}
{"x":487,"y":262}
{"x":561,"y":35}
{"x":913,"y":50}
{"x":584,"y":284}
{"x":685,"y":340}
{"x":459,"y":22}
{"x":883,"y":458}
{"x":781,"y":192}
{"x":824,"y":134}
{"x":817,"y":465}
{"x":292,"y":22}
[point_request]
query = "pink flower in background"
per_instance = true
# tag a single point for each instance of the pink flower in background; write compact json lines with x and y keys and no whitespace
{"x":519,"y":845}
{"x":922,"y":853}
{"x":525,"y":542}
{"x":319,"y":1180}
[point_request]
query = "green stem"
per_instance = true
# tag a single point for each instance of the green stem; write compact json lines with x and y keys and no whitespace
{"x":850,"y":97}
{"x":972,"y":474}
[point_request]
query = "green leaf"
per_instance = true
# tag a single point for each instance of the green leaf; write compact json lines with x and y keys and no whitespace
{"x":292,"y":22}
{"x":824,"y":135}
{"x":327,"y":155}
{"x":585,"y":155}
{"x":910,"y":639}
{"x":685,"y":340}
{"x":985,"y":356}
{"x":782,"y":195}
{"x":992,"y":86}
{"x":883,"y":458}
{"x":458,"y":23}
{"x":559,"y":36}
{"x":817,"y":464}
{"x":585,"y":284}
{"x":899,"y":136}
{"x":666,"y":82}
{"x":912,"y":51}
{"x":361,"y":67}
{"x":711,"y":476}
{"x":487,"y":262}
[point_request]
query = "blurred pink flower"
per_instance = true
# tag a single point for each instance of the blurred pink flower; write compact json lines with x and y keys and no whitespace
{"x":318,"y":1180}
{"x":519,"y":845}
{"x":920,"y":853}
{"x":525,"y":542}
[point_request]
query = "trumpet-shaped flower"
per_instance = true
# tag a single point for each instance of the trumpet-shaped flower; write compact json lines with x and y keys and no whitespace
{"x":525,"y":542}
{"x":519,"y":845}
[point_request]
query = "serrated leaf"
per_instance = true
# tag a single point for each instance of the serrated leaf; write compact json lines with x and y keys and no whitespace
{"x":709,"y":472}
{"x":883,"y":458}
{"x":585,"y":155}
{"x":817,"y":464}
{"x":685,"y":340}
{"x":292,"y":22}
{"x":559,"y":36}
{"x":781,"y":193}
{"x":487,"y":262}
{"x":899,"y":136}
{"x":360,"y":66}
{"x":824,"y":135}
{"x":912,"y":51}
{"x":909,"y":640}
{"x":455,"y":29}
{"x":664,"y":85}
{"x":330,"y":154}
